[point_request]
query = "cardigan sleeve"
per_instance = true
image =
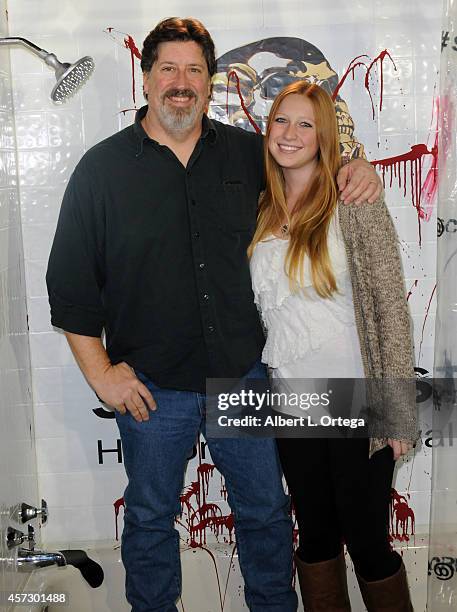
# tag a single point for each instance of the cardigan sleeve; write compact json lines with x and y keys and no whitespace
{"x":389,"y":293}
{"x":382,"y":301}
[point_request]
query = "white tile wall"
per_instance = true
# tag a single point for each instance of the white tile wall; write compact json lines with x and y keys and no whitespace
{"x":60,"y":384}
{"x":405,"y":219}
{"x":18,"y":479}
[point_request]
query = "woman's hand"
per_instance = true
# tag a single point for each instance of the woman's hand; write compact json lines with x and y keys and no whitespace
{"x":399,"y":447}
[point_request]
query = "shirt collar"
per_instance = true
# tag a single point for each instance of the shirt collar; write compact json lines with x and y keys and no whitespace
{"x":208,"y":129}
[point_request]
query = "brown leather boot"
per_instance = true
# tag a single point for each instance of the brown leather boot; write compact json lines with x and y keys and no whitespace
{"x":323,"y":585}
{"x":390,"y":594}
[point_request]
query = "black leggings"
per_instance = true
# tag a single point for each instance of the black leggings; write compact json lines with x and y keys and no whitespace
{"x":340,"y":495}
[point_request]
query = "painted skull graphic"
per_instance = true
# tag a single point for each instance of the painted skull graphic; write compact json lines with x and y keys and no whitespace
{"x":252,"y":75}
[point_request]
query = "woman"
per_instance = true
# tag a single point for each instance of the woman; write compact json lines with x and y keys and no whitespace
{"x":328,"y":282}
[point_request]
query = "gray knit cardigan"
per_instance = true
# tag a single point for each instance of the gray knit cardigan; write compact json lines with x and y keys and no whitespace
{"x":382,"y":316}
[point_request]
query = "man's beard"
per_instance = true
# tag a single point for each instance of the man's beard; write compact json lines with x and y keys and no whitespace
{"x":179,"y":119}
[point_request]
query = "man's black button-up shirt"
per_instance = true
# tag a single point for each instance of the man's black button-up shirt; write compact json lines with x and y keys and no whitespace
{"x":155,"y":253}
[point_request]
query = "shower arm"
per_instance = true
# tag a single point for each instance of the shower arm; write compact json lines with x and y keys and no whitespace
{"x":49,"y":58}
{"x":69,"y":77}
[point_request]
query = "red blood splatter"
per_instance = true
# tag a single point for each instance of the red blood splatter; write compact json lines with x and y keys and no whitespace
{"x":189,"y":492}
{"x":294,"y":564}
{"x":425,"y":320}
{"x":198,"y":530}
{"x":380,"y":59}
{"x":206,"y":515}
{"x":134,"y":52}
{"x":295,"y":534}
{"x":127,"y":110}
{"x":210,"y":517}
{"x":209,"y":510}
{"x":117,"y":506}
{"x":353,"y":64}
{"x":215,"y":567}
{"x":229,"y":524}
{"x":295,"y":541}
{"x":401,"y":516}
{"x":411,"y":290}
{"x":193,"y":490}
{"x":397,"y":167}
{"x":228,"y":576}
{"x":216,"y":524}
{"x":129,"y":44}
{"x":368,"y":67}
{"x":205,"y":471}
{"x":233,"y":74}
{"x":430,"y":186}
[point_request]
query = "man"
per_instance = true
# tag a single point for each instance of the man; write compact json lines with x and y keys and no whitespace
{"x":151,"y":247}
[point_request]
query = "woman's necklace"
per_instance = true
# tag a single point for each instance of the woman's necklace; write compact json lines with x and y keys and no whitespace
{"x":285,"y":229}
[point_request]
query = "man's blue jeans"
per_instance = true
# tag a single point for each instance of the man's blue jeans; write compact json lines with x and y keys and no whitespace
{"x":155,"y":455}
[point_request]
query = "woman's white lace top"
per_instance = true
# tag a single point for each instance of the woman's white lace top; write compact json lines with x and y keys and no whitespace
{"x":307,"y":335}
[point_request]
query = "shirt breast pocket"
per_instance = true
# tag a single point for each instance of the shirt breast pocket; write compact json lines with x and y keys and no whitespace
{"x":236,"y":206}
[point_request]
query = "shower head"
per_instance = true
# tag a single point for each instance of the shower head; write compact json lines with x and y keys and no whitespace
{"x":70,"y":77}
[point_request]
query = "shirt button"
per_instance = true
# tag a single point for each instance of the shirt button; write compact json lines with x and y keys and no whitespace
{"x":196,"y":234}
{"x":194,"y":203}
{"x":206,"y":296}
{"x":210,"y":328}
{"x":201,"y":266}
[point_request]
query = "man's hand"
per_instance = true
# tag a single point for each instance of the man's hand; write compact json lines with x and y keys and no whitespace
{"x":399,"y":447}
{"x":358,"y":182}
{"x":116,"y":385}
{"x":120,"y":388}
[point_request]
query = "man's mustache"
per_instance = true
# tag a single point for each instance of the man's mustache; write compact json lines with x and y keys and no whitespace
{"x":179,"y":93}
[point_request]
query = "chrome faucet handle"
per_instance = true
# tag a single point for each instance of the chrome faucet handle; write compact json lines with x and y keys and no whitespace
{"x":31,"y":537}
{"x":14,"y":537}
{"x":27,"y":513}
{"x":43,"y":511}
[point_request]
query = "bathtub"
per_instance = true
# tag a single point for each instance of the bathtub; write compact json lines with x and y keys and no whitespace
{"x":212,"y":580}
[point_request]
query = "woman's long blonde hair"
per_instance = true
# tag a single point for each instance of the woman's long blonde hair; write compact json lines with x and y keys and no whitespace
{"x":310,"y":220}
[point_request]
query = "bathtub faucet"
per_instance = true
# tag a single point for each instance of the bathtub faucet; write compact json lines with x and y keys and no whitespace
{"x":29,"y":559}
